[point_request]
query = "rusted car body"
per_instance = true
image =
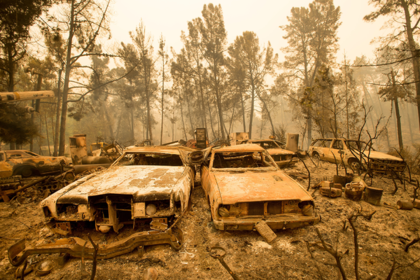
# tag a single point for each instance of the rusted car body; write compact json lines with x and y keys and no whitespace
{"x":26,"y":163}
{"x":147,"y":185}
{"x":347,"y":151}
{"x":147,"y":188}
{"x":243,"y":186}
{"x":282,"y":157}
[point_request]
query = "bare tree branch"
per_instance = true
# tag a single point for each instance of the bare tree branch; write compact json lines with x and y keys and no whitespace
{"x":104,"y":84}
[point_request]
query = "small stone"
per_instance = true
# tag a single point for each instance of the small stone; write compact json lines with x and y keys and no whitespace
{"x":150,"y":274}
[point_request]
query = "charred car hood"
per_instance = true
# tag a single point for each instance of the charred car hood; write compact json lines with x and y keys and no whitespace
{"x":381,"y":156}
{"x":251,"y":186}
{"x":141,"y":182}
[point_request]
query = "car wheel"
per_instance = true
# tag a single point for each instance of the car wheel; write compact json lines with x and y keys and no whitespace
{"x":26,"y":172}
{"x":354,"y":165}
{"x":211,"y":216}
{"x":316,"y":158}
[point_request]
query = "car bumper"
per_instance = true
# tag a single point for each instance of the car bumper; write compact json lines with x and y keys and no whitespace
{"x":387,"y":167}
{"x":280,"y":222}
{"x":80,"y":248}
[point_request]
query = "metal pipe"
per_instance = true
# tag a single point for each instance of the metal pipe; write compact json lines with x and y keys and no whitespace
{"x":25,"y":95}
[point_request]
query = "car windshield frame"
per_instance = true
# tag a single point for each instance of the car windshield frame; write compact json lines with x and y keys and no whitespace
{"x":16,"y":155}
{"x":364,"y":148}
{"x":320,"y":143}
{"x":31,"y":154}
{"x":270,"y":142}
{"x":147,"y":153}
{"x":263,"y":153}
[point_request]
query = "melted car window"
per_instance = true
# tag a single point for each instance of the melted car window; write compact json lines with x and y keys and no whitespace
{"x":322,"y":143}
{"x":31,"y":154}
{"x":15,"y":155}
{"x":267,"y":145}
{"x":241,"y":160}
{"x":356,"y":145}
{"x":338,"y":144}
{"x":150,"y":159}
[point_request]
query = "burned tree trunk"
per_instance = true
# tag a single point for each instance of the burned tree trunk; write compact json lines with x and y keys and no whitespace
{"x":211,"y":119}
{"x":397,"y":112}
{"x":268,"y":112}
{"x":407,"y":109}
{"x":398,"y":116}
{"x":108,"y":120}
{"x":57,"y":117}
{"x":190,"y":117}
{"x":183,"y":123}
{"x":251,"y":114}
{"x":243,"y":111}
{"x":66,"y":83}
{"x":414,"y":53}
{"x":163,"y":92}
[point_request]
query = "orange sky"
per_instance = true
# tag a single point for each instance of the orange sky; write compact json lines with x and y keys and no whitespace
{"x":169,"y":17}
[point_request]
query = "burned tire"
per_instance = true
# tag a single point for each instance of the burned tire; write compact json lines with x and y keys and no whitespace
{"x":354,"y":165}
{"x":26,"y":172}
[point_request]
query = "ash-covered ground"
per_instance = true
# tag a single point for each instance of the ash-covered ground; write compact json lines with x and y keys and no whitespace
{"x":381,"y":241}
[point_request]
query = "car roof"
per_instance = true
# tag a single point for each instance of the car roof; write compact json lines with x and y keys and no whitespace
{"x":263,"y":140}
{"x":240,"y":148}
{"x":157,"y":149}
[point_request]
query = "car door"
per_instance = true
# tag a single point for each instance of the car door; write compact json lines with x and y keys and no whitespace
{"x":43,"y":164}
{"x":324,"y":149}
{"x":336,"y":147}
{"x":6,"y":170}
{"x":205,"y":177}
{"x":15,"y":157}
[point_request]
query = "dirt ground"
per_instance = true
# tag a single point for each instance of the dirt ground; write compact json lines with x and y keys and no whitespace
{"x":381,"y":240}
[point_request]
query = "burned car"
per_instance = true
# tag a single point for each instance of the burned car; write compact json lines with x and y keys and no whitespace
{"x":147,"y":185}
{"x":26,"y":163}
{"x":282,"y":157}
{"x":347,"y":151}
{"x":244,"y":185}
{"x":147,"y":190}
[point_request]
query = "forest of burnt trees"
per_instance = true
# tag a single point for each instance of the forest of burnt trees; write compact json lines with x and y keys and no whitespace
{"x":135,"y":92}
